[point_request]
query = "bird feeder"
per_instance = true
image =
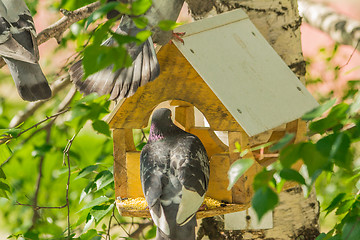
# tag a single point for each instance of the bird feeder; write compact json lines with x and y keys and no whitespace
{"x":229,"y":72}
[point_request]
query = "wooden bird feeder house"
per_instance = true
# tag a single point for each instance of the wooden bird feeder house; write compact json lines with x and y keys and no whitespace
{"x":229,"y":72}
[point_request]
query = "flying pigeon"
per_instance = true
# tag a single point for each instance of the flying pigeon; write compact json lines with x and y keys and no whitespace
{"x":145,"y":67}
{"x":174,"y":171}
{"x":19,"y":49}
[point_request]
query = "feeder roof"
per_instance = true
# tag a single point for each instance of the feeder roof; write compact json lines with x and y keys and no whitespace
{"x":244,"y":71}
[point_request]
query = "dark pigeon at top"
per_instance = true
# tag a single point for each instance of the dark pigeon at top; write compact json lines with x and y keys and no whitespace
{"x":19,"y":49}
{"x":174,"y":170}
{"x":145,"y":68}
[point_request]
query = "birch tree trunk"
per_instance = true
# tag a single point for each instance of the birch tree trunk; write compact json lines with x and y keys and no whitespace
{"x":279,"y":22}
{"x":340,"y":28}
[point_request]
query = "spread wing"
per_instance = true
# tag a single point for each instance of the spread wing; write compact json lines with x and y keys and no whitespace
{"x":123,"y":82}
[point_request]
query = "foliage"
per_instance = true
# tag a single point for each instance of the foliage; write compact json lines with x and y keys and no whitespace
{"x":63,"y":166}
{"x":330,"y":162}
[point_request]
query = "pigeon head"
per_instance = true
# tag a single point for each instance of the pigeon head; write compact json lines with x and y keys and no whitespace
{"x":162,"y":125}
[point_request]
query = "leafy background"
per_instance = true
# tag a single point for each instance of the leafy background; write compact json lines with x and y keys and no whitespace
{"x":35,"y":162}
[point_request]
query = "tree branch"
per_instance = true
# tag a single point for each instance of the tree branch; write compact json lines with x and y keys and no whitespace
{"x":57,"y":29}
{"x":7,"y":138}
{"x":341,"y":28}
{"x":67,"y":154}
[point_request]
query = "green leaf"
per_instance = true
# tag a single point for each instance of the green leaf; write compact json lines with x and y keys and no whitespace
{"x":5,"y":152}
{"x":3,"y":194}
{"x":4,"y":186}
{"x":101,"y":12}
{"x":140,"y":7}
{"x":292,"y":175}
{"x":168,"y":25}
{"x":351,"y":229}
{"x":335,"y":202}
{"x":86,"y":171}
{"x":263,"y":178}
{"x":319,"y":111}
{"x":14,"y":132}
{"x":101,"y":127}
{"x":322,"y":236}
{"x":151,"y":233}
{"x":290,"y":155}
{"x":95,"y":202}
{"x":103,"y":179}
{"x":313,"y":159}
{"x":89,"y":235}
{"x":345,"y":206}
{"x":89,"y":222}
{"x":99,"y":212}
{"x":337,"y":114}
{"x":31,"y":234}
{"x":237,"y":169}
{"x":238,"y":146}
{"x":264,"y":200}
{"x":143,"y":35}
{"x":355,"y":106}
{"x":85,"y":215}
{"x":2,"y":173}
{"x":283,"y":142}
{"x":40,"y":151}
{"x":140,"y":22}
{"x":91,"y":185}
{"x":336,"y":147}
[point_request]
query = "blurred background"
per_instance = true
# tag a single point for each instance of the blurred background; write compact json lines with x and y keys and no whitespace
{"x":333,"y":71}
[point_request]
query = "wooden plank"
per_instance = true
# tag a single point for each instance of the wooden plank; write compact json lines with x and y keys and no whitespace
{"x":242,"y":191}
{"x":185,"y":116}
{"x":229,"y":208}
{"x":213,"y":145}
{"x":218,"y":182}
{"x":133,"y":175}
{"x":245,"y":73}
{"x":120,"y":176}
{"x":238,"y":190}
{"x":248,"y":176}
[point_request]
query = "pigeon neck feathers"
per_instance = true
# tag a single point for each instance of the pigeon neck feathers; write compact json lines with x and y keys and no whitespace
{"x":162,"y":126}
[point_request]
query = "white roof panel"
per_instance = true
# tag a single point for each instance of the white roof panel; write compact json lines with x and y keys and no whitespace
{"x":244,"y":71}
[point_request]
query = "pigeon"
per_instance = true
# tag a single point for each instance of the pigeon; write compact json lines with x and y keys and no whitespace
{"x":19,"y":49}
{"x":124,"y":82}
{"x":174,"y":172}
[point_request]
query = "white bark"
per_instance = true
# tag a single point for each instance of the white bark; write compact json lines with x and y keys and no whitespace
{"x":279,"y":23}
{"x":341,"y":28}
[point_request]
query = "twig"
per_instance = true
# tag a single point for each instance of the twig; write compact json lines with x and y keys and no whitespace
{"x":140,"y":229}
{"x":39,"y":207}
{"x":352,"y":54}
{"x":7,"y":138}
{"x":57,"y":29}
{"x":38,"y":183}
{"x":108,"y":231}
{"x":143,"y":136}
{"x":67,"y":154}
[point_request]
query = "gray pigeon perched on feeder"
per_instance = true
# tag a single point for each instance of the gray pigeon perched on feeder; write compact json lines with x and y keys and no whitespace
{"x":174,"y":171}
{"x":19,"y":49}
{"x":145,"y":68}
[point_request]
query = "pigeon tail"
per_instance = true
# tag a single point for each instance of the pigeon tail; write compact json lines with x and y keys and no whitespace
{"x":29,"y":80}
{"x":177,"y":232}
{"x":123,"y":82}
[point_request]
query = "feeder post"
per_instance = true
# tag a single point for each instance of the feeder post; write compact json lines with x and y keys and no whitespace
{"x":242,"y":191}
